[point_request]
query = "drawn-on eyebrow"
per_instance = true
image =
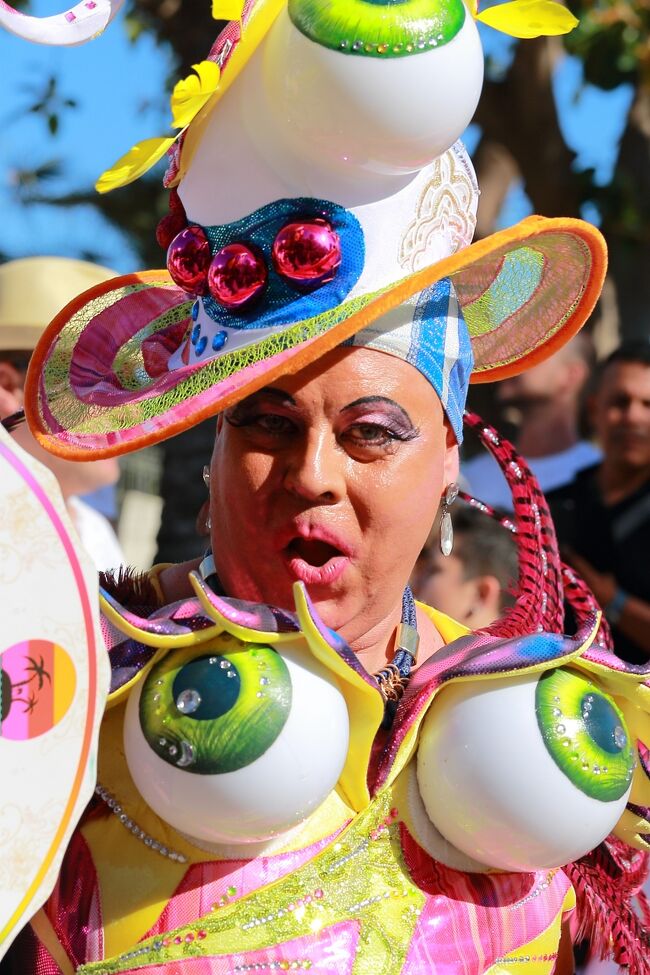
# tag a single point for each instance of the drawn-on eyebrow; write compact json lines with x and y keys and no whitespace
{"x":270,"y":392}
{"x":384,"y":400}
{"x":276,"y":393}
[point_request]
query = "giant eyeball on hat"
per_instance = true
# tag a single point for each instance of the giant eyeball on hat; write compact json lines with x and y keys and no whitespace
{"x":320,"y":198}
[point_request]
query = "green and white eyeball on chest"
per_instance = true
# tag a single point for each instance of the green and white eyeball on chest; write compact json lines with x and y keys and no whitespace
{"x":365,"y":86}
{"x":525,"y":772}
{"x":242,"y":735}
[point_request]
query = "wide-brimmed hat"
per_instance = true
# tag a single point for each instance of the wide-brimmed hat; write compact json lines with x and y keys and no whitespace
{"x":295,"y":232}
{"x":34,"y":289}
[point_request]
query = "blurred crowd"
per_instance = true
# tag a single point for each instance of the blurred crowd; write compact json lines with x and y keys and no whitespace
{"x":583,"y":427}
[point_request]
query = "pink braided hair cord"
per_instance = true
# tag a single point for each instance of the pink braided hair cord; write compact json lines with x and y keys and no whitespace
{"x":608,"y":879}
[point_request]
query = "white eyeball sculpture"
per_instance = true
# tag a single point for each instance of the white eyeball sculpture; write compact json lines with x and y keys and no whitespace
{"x":528,"y":772}
{"x":346,"y":101}
{"x":240,"y":738}
{"x":378,"y":110}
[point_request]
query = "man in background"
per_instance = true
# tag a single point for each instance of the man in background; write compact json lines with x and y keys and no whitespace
{"x":32,"y":292}
{"x":603,"y":517}
{"x":475,"y":584}
{"x":546,"y":401}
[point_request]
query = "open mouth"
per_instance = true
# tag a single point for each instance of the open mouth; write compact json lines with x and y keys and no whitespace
{"x":315,"y":561}
{"x":313,"y":551}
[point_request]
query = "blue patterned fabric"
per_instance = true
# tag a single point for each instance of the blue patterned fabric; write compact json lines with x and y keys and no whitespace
{"x":429,"y":331}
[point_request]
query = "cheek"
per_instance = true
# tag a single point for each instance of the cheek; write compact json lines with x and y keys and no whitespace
{"x":238,"y":481}
{"x":402,"y":500}
{"x":422,"y":484}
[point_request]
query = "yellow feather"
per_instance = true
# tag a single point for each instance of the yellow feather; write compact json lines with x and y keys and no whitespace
{"x":227,"y":9}
{"x":192,"y":93}
{"x":529,"y":18}
{"x":134,"y":163}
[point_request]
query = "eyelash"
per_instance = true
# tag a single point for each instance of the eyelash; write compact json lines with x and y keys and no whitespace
{"x":388,"y":435}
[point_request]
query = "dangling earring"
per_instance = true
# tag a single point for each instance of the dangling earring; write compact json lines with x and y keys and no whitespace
{"x":206,"y":481}
{"x":446,"y":526}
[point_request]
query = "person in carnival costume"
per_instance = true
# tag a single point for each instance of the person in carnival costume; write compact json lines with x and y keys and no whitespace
{"x":300,"y":768}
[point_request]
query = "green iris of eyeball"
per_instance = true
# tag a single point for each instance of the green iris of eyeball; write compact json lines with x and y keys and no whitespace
{"x":372,"y":28}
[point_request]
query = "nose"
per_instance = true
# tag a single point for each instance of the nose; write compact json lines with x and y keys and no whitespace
{"x":315,"y":469}
{"x":636,"y":412}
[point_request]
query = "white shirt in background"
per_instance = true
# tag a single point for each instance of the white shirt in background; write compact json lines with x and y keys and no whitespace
{"x":485,"y":481}
{"x":96,"y":535}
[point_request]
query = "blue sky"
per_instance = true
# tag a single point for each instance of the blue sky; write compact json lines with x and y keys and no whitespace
{"x":113,"y":81}
{"x":118,"y":85}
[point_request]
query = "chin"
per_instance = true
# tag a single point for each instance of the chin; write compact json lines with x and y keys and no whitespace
{"x":329,"y":608}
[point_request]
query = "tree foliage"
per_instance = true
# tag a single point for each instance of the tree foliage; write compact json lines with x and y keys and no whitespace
{"x":521,"y":138}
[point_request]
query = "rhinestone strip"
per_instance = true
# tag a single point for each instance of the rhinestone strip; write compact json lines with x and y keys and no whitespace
{"x":132,"y":827}
{"x":526,"y":959}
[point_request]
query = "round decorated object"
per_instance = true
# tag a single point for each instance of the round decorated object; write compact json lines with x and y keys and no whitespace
{"x":188,"y":260}
{"x":307,"y":252}
{"x":525,"y":773}
{"x":237,"y":743}
{"x":237,"y":275}
{"x":53,"y":683}
{"x":313,"y":99}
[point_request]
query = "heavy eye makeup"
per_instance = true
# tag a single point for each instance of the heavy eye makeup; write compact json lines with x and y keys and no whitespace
{"x":377,"y":421}
{"x":270,"y":414}
{"x":368,"y":424}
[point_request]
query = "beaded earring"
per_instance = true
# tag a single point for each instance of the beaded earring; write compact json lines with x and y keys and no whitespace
{"x":446,"y":526}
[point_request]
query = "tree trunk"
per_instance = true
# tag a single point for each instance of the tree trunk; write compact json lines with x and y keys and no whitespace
{"x":627,"y":224}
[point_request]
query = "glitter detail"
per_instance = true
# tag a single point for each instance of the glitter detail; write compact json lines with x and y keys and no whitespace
{"x":289,"y":908}
{"x":133,"y":827}
{"x":367,"y":901}
{"x":274,"y":966}
{"x":188,"y":701}
{"x":279,"y":926}
{"x":187,"y":755}
{"x":539,"y":889}
{"x":526,"y":959}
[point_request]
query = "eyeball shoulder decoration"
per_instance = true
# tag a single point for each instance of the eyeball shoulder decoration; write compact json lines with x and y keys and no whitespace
{"x":238,"y":733}
{"x":529,"y":771}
